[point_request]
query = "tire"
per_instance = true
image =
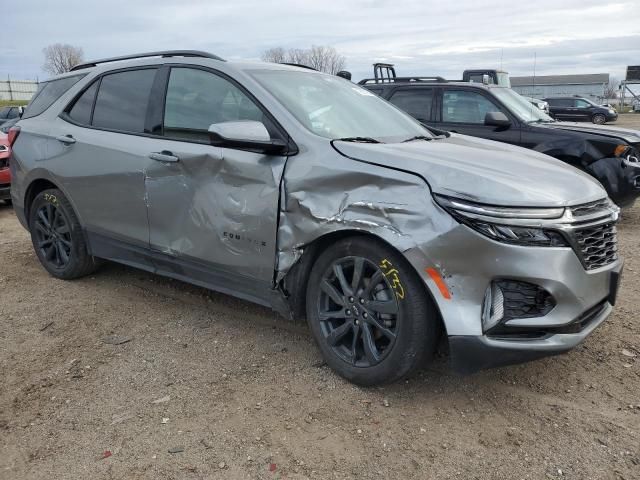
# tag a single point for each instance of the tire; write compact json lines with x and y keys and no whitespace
{"x":341,"y":317}
{"x":57,"y":237}
{"x":599,"y":119}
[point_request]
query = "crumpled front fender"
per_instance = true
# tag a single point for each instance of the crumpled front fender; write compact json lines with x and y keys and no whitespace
{"x":620,"y":179}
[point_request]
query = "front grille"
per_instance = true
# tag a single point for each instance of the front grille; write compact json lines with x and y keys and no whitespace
{"x":597,"y":245}
{"x":524,"y":300}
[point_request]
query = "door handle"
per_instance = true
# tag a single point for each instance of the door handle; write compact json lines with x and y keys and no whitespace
{"x":66,"y":139}
{"x":163,"y":156}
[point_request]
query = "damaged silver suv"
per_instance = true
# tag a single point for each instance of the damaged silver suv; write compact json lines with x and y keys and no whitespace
{"x":309,"y":194}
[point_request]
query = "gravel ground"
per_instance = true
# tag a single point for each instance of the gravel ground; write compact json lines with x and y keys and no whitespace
{"x":106,"y":376}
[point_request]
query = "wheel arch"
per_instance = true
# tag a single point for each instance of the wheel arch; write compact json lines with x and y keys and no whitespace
{"x":295,"y":282}
{"x":36,"y":186}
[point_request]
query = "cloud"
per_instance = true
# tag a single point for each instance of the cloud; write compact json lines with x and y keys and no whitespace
{"x":420,"y":36}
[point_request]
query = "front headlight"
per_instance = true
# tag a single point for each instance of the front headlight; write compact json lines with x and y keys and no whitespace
{"x":514,"y":225}
{"x":611,"y":111}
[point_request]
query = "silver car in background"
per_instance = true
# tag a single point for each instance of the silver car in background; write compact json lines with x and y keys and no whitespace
{"x":309,"y":194}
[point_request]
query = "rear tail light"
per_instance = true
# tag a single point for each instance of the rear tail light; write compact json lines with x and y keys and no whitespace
{"x":13,"y":135}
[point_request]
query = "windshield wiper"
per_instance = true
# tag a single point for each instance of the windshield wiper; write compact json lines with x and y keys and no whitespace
{"x":357,"y":139}
{"x":417,"y":137}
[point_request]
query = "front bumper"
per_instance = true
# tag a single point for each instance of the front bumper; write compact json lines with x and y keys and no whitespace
{"x":469,"y":262}
{"x":469,"y":354}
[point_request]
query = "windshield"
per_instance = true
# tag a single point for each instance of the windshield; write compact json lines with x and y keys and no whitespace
{"x":520,"y":106}
{"x":333,"y":107}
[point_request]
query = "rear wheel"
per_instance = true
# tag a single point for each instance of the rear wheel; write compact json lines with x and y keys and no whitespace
{"x":598,"y":119}
{"x":57,"y":236}
{"x":369,"y":312}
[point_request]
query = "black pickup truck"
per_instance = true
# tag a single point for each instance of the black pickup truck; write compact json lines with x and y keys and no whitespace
{"x":610,"y":154}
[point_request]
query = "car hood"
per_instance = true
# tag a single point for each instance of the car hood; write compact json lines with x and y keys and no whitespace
{"x":483,"y":171}
{"x":626,"y":134}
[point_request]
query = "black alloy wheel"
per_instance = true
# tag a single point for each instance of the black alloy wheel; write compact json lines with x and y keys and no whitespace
{"x":358,"y":311}
{"x":53,"y":236}
{"x":57,"y":236}
{"x":369,"y":311}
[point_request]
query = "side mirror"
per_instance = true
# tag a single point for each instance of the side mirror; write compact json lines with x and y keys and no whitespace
{"x":496,"y":119}
{"x":344,"y":74}
{"x":245,"y":135}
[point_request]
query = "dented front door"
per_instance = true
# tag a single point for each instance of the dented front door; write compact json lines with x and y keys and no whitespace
{"x":213,"y":211}
{"x":215,"y":207}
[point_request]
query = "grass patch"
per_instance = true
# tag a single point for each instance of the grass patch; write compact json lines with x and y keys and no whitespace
{"x":12,"y":103}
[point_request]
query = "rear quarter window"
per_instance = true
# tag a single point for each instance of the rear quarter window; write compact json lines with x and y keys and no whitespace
{"x":83,"y":107}
{"x":48,"y":93}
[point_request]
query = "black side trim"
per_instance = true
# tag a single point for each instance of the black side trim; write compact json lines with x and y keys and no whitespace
{"x":185,"y":269}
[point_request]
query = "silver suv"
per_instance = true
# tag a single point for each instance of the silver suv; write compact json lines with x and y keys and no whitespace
{"x":309,"y":194}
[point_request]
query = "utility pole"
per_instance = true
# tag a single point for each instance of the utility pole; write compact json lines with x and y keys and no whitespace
{"x":9,"y":87}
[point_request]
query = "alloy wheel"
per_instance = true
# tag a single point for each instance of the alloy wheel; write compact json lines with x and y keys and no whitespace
{"x":53,"y":236}
{"x":358,"y":311}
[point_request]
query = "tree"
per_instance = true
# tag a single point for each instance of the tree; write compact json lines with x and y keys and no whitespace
{"x":322,"y":58}
{"x":274,"y":55}
{"x":611,"y":90}
{"x":60,"y":58}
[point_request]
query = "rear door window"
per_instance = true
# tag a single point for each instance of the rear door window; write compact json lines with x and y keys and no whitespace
{"x":48,"y":93}
{"x":561,"y":102}
{"x":463,"y":106}
{"x":196,"y":99}
{"x":417,"y":102}
{"x":122,"y":100}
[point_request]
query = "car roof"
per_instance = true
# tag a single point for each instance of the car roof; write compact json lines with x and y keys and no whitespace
{"x":106,"y":65}
{"x":418,"y":83}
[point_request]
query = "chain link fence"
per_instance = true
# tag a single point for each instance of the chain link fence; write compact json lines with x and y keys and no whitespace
{"x":17,"y":89}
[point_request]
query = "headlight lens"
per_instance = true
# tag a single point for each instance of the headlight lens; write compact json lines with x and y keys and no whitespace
{"x":493,"y":222}
{"x":519,"y":235}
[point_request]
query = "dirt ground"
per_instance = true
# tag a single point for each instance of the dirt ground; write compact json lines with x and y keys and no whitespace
{"x":628,"y":120}
{"x":242,"y":393}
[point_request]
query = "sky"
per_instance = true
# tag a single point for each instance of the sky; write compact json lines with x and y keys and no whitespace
{"x":421,"y":37}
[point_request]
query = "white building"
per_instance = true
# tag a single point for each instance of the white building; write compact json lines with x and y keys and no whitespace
{"x":591,"y":86}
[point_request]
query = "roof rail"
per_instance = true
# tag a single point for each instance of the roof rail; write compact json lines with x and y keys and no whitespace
{"x":298,"y":65}
{"x":366,"y":81}
{"x":162,"y":53}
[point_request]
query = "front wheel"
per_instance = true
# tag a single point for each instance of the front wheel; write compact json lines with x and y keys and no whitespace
{"x":599,"y":119}
{"x":369,"y":312}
